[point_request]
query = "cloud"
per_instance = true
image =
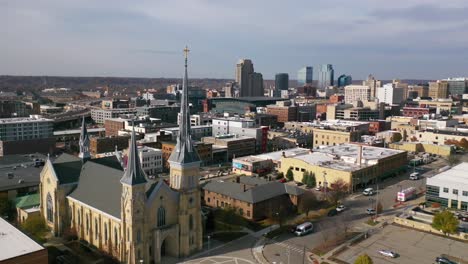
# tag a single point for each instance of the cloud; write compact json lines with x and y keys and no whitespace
{"x":143,"y":38}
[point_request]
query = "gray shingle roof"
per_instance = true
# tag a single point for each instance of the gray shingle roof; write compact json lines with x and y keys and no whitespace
{"x":99,"y":186}
{"x":254,"y":194}
{"x":67,"y":168}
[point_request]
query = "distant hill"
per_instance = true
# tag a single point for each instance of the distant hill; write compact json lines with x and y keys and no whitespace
{"x":34,"y":83}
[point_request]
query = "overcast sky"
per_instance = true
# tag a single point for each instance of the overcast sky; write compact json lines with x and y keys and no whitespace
{"x":425,"y":39}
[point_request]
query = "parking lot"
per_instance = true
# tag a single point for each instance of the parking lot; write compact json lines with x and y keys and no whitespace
{"x":412,"y":247}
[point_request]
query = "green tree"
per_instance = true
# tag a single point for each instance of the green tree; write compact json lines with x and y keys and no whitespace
{"x":405,"y":135}
{"x":6,"y":208}
{"x":289,"y":175}
{"x":308,"y":202}
{"x":396,"y":137}
{"x":311,"y":182}
{"x":446,"y":222}
{"x":453,"y":160}
{"x":305,"y":177}
{"x":35,"y":226}
{"x":363,"y":259}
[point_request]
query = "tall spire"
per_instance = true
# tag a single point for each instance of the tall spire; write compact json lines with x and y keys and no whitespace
{"x":133,"y":174}
{"x":84,"y":143}
{"x":183,"y":152}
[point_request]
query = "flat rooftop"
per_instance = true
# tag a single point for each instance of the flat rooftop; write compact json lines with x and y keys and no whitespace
{"x":457,"y":174}
{"x":14,"y":243}
{"x":78,"y":131}
{"x":352,"y":150}
{"x":276,"y":156}
{"x":248,"y":159}
{"x":18,"y":120}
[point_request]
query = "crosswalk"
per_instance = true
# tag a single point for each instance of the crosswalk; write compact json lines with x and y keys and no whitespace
{"x":290,"y":247}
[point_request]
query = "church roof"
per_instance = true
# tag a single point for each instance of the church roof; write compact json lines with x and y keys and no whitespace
{"x":184,"y":153}
{"x":27,"y":201}
{"x":67,"y":168}
{"x":134,"y":174}
{"x":99,"y":187}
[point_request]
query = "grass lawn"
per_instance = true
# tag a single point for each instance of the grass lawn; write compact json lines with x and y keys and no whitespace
{"x":227,"y":236}
{"x":372,"y":222}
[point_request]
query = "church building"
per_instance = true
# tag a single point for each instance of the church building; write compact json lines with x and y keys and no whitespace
{"x":118,"y":209}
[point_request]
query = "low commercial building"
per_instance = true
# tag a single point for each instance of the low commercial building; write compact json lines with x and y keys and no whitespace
{"x":27,"y":206}
{"x":18,"y":247}
{"x":99,"y":115}
{"x":204,"y":150}
{"x":151,"y":160}
{"x":251,"y":165}
{"x":285,"y":139}
{"x":418,"y":112}
{"x":440,"y":137}
{"x":253,"y":198}
{"x":285,"y":110}
{"x":107,"y":144}
{"x":449,"y":188}
{"x":427,"y":147}
{"x":356,"y":165}
{"x":237,"y":146}
{"x":197,"y":132}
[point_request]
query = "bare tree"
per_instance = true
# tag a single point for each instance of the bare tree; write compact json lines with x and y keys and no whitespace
{"x":339,"y":190}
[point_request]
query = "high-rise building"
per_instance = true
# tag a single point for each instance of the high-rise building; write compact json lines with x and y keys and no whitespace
{"x":281,"y":83}
{"x":373,"y":84}
{"x":250,"y":83}
{"x":354,"y":93}
{"x":438,"y":89}
{"x":325,"y":76}
{"x":390,"y":94}
{"x":344,"y":80}
{"x":305,"y":75}
{"x":457,"y":86}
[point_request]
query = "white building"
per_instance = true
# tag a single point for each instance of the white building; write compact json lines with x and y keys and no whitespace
{"x":99,"y":115}
{"x":354,"y":93}
{"x":197,"y":132}
{"x":449,"y":188}
{"x":151,"y":160}
{"x":390,"y":94}
{"x":241,"y":127}
{"x":25,"y":128}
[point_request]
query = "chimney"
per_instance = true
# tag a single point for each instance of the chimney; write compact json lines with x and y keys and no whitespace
{"x":244,"y":187}
{"x":284,"y":154}
{"x":359,"y":158}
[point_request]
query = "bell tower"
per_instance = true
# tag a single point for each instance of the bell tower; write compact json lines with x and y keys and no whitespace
{"x":134,"y":236}
{"x":84,"y":143}
{"x":184,"y":178}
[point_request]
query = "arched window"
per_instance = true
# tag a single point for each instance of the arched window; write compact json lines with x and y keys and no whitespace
{"x":191,"y":222}
{"x":96,"y":226}
{"x":138,"y":238}
{"x":71,"y":215}
{"x":50,"y":209}
{"x":87,"y":224}
{"x":105,"y":233}
{"x":116,"y":237}
{"x":161,"y":216}
{"x":79,"y":217}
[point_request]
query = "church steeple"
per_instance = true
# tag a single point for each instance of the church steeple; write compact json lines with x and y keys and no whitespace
{"x":133,"y":174}
{"x":184,"y":152}
{"x":84,"y":143}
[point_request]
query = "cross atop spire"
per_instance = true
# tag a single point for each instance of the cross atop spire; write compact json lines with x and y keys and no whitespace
{"x":84,"y":142}
{"x":133,"y":174}
{"x":183,"y":152}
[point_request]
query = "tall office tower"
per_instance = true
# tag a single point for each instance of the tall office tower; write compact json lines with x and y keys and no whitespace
{"x":325,"y":76}
{"x":344,"y":80}
{"x":438,"y":89}
{"x":250,"y":83}
{"x":390,"y":94}
{"x":373,"y":84}
{"x":305,"y":75}
{"x":281,"y":83}
{"x":457,"y":86}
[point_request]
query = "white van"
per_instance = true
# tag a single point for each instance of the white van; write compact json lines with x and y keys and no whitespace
{"x":304,"y":229}
{"x":368,"y":191}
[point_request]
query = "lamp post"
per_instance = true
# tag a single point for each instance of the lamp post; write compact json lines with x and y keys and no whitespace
{"x":209,"y":242}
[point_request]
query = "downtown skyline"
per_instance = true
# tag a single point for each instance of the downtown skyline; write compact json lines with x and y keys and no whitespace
{"x":402,"y":39}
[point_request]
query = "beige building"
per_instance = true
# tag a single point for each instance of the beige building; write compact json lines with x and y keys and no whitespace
{"x":120,"y":211}
{"x":439,"y":137}
{"x":373,"y":84}
{"x":438,"y":89}
{"x":354,"y":164}
{"x":328,"y":137}
{"x":354,"y":93}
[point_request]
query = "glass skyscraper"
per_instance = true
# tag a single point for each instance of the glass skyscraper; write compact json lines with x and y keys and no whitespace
{"x":281,"y":83}
{"x":325,"y":76}
{"x":304,"y":76}
{"x":344,"y":80}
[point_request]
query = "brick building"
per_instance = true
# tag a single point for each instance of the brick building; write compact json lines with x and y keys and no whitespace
{"x":108,"y":144}
{"x":253,"y":198}
{"x":418,"y":112}
{"x":235,"y":146}
{"x":113,"y":126}
{"x":284,"y":110}
{"x":204,"y":151}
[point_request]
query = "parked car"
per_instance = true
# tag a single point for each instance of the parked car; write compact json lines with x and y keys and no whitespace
{"x":340,"y":208}
{"x":304,"y":229}
{"x":299,"y":184}
{"x":370,"y":211}
{"x":387,"y":253}
{"x":414,"y":176}
{"x":368,"y":191}
{"x":282,"y":180}
{"x":463,"y":218}
{"x":442,"y":260}
{"x":332,"y":212}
